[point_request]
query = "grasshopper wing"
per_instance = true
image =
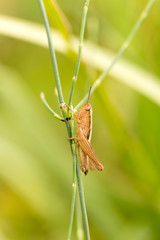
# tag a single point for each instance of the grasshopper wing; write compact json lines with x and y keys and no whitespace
{"x":86,"y":147}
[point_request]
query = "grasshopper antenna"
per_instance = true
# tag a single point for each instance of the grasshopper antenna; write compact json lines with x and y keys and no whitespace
{"x":89,"y":94}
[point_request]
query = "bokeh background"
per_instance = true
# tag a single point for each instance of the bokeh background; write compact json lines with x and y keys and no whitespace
{"x":123,"y":201}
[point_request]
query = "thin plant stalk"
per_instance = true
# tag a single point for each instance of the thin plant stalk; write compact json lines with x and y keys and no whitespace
{"x":42,"y":96}
{"x":74,"y":79}
{"x":82,"y":202}
{"x":51,"y":48}
{"x":123,"y":48}
{"x":80,"y":231}
{"x":70,"y":129}
{"x":54,"y":62}
{"x":74,"y":186}
{"x":83,"y":24}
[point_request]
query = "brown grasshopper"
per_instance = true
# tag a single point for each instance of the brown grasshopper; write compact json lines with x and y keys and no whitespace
{"x":88,"y":159}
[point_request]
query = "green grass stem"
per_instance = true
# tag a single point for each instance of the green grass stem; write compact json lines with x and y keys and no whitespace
{"x":82,"y":202}
{"x":42,"y":96}
{"x":123,"y":48}
{"x":83,"y":24}
{"x":79,"y":221}
{"x":70,"y":127}
{"x":74,"y":186}
{"x":52,"y":52}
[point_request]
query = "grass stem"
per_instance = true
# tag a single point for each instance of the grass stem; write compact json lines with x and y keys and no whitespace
{"x":74,"y":186}
{"x":52,"y":52}
{"x":123,"y":48}
{"x":83,"y":24}
{"x":82,"y":202}
{"x":80,"y":231}
{"x":42,"y":96}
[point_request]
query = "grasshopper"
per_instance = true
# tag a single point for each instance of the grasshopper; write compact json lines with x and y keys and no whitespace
{"x":88,"y":159}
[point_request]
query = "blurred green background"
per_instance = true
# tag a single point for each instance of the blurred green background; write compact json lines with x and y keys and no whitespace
{"x":123,"y":201}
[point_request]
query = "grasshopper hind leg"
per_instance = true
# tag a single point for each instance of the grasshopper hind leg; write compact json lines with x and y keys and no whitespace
{"x":85,"y":173}
{"x":84,"y":163}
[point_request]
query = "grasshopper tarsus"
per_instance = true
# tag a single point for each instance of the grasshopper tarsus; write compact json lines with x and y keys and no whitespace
{"x":68,"y":118}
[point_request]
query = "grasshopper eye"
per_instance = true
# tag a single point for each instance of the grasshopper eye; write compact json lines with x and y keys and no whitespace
{"x":88,"y":108}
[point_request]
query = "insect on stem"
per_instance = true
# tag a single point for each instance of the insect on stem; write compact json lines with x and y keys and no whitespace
{"x":88,"y":159}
